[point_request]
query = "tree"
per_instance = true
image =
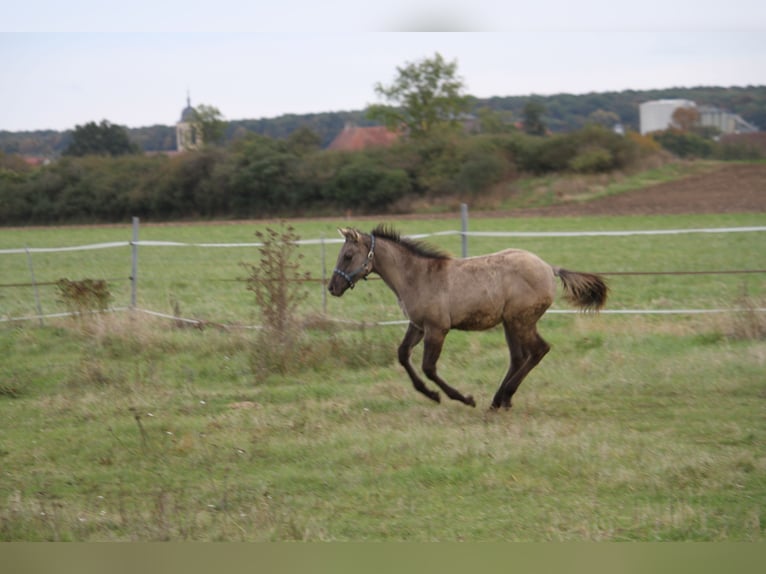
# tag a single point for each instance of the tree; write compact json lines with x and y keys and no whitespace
{"x":209,"y":123}
{"x":100,"y":139}
{"x":495,"y":121}
{"x":533,"y":118}
{"x":686,"y":119}
{"x":303,"y":140}
{"x":604,"y":118}
{"x":428,"y":93}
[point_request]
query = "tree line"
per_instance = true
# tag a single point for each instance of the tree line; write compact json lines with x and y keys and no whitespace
{"x":563,"y":113}
{"x":259,"y":176}
{"x":102,"y":175}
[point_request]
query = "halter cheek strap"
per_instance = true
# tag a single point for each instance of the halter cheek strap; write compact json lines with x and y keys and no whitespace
{"x":351,"y":276}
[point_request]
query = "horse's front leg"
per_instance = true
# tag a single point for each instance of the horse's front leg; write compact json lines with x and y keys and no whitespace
{"x":433,"y":348}
{"x":413,"y":336}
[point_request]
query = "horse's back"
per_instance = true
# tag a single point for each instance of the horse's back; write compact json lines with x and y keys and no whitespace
{"x":499,"y":286}
{"x":509,"y":267}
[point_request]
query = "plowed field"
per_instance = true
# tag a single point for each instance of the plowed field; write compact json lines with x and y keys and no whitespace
{"x":734,"y":188}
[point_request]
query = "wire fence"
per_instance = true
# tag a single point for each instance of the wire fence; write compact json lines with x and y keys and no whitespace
{"x":136,"y":245}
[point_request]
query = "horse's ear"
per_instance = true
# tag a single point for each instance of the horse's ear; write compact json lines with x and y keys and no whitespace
{"x":349,"y":233}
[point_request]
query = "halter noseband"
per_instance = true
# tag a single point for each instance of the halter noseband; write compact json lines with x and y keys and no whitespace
{"x":351,"y":276}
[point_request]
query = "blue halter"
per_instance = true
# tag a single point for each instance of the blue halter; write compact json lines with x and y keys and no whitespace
{"x":351,"y":276}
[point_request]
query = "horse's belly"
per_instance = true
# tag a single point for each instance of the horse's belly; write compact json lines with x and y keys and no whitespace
{"x":477,"y":320}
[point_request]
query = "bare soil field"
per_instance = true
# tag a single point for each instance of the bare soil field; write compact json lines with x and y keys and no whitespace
{"x":734,"y":188}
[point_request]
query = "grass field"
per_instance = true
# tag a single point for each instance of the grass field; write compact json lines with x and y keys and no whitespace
{"x":201,"y":281}
{"x":126,"y":427}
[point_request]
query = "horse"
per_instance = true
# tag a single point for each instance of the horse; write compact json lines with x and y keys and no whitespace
{"x":438,"y":293}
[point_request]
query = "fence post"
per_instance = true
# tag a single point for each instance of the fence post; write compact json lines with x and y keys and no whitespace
{"x":134,"y":265}
{"x":464,"y":227}
{"x":34,"y":284}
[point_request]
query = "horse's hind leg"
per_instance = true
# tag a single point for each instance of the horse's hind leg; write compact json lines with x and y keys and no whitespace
{"x":527,"y":349}
{"x":537,"y":348}
{"x":433,"y":348}
{"x":411,"y":339}
{"x":517,"y":359}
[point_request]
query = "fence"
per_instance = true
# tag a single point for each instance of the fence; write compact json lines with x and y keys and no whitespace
{"x":136,"y":245}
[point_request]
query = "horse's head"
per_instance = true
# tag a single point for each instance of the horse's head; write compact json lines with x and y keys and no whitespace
{"x":354,"y":261}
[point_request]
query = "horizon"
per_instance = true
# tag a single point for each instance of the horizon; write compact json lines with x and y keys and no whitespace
{"x":267,"y":118}
{"x":56,"y":81}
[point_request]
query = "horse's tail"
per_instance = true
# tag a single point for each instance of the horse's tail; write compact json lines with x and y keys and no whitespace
{"x":584,"y":290}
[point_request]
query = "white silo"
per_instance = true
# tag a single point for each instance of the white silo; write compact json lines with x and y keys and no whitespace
{"x":657,"y":115}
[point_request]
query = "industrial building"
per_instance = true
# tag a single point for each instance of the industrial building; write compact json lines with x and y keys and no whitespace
{"x":657,"y":115}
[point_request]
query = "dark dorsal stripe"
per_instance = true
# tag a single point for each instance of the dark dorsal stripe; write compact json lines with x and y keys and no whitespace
{"x":418,"y":248}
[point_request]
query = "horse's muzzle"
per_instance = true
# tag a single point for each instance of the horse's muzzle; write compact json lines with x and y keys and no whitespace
{"x":337,"y":286}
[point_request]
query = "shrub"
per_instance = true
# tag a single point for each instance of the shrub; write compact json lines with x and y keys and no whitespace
{"x":365,"y":185}
{"x":85,"y":296}
{"x":685,"y":144}
{"x":730,"y":151}
{"x":277,"y":283}
{"x":592,"y":160}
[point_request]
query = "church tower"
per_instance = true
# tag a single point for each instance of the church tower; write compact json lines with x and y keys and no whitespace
{"x":187,"y":136}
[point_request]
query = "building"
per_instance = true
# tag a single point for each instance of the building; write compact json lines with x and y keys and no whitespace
{"x":725,"y":122}
{"x":355,"y":138}
{"x":657,"y":115}
{"x":187,"y":136}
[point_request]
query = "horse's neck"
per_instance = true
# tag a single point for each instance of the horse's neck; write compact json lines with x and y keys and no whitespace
{"x":397,"y":267}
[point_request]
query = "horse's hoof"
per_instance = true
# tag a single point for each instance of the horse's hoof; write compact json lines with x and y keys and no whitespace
{"x":469,"y":401}
{"x":436,"y":397}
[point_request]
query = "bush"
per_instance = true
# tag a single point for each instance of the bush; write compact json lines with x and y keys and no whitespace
{"x":277,"y":281}
{"x":259,"y":176}
{"x":482,"y":164}
{"x":685,"y":144}
{"x":552,"y":154}
{"x":592,"y":160}
{"x":278,"y":285}
{"x":85,"y":296}
{"x":363,"y":184}
{"x":738,"y":152}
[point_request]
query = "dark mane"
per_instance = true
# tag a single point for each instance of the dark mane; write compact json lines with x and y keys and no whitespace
{"x":415,"y":247}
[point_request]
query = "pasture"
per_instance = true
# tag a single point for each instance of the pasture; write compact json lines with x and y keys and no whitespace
{"x":123,"y":426}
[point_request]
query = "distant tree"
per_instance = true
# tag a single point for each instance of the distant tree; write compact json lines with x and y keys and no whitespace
{"x":603,"y":118}
{"x":495,"y":121}
{"x":427,"y":94}
{"x":100,"y":139}
{"x":533,"y":118}
{"x":209,"y":123}
{"x":685,"y":119}
{"x":303,"y":140}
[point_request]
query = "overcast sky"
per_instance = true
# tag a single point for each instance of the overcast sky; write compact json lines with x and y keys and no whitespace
{"x":67,"y":63}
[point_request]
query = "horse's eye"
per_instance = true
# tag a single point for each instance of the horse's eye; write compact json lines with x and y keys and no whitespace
{"x":348,"y":257}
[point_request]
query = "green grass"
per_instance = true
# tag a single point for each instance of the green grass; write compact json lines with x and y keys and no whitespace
{"x":125,"y":427}
{"x":201,"y":282}
{"x":130,"y":430}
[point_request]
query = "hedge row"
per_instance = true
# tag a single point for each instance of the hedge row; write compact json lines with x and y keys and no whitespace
{"x":260,"y":176}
